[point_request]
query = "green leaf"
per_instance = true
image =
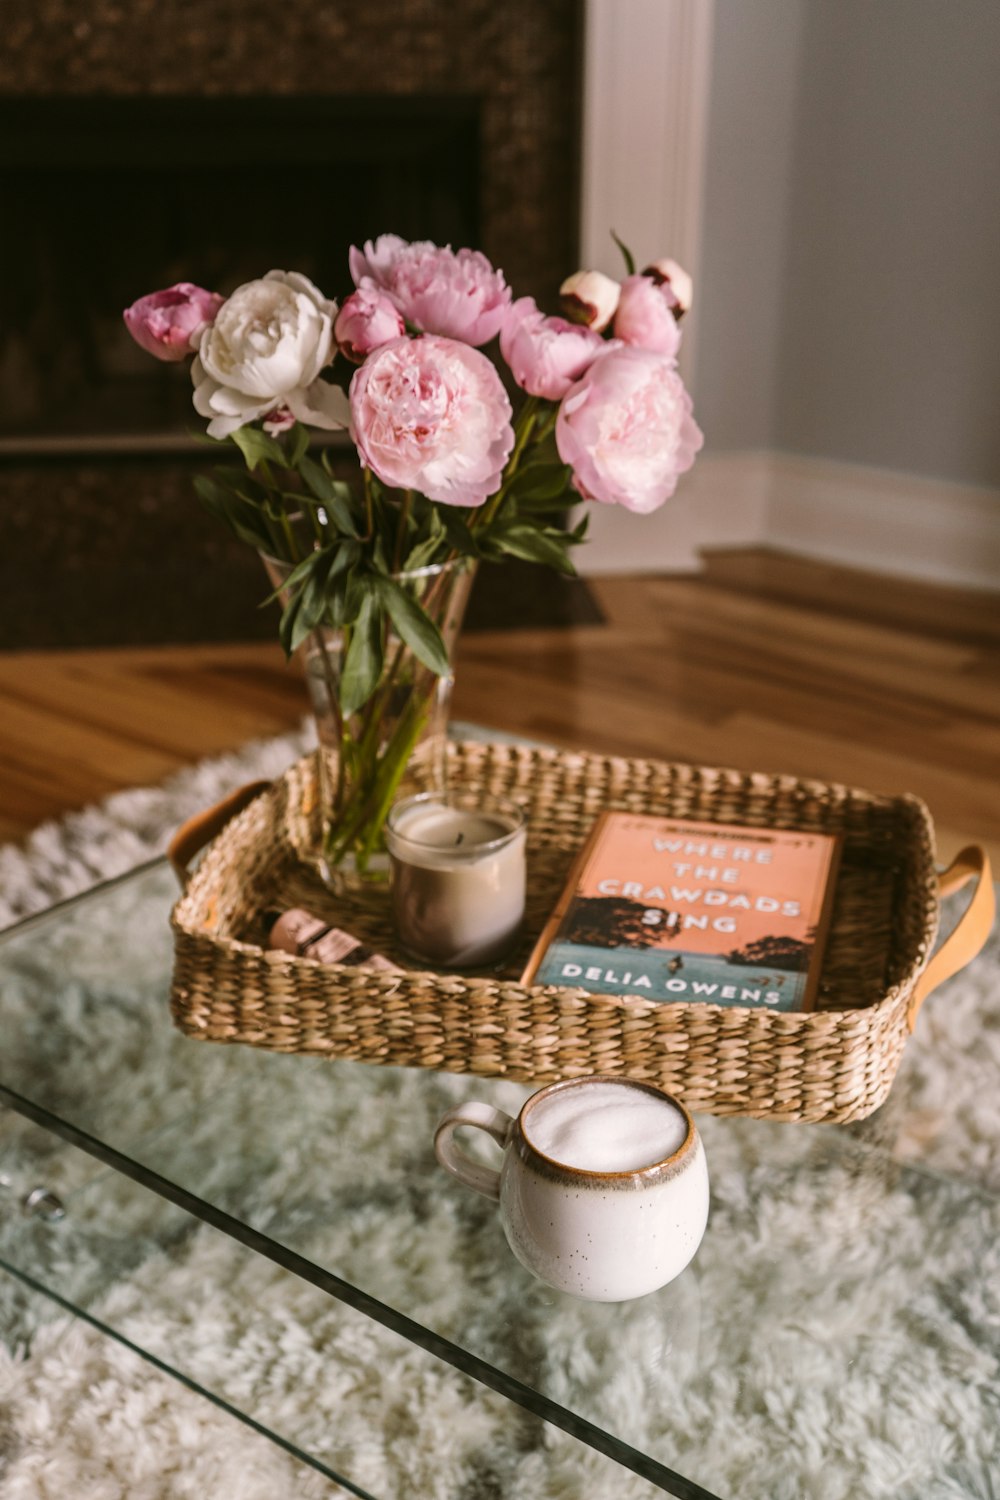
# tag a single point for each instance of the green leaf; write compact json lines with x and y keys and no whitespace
{"x":627,"y":255}
{"x":239,"y":482}
{"x":537,"y":546}
{"x":414,"y":626}
{"x":345,"y":555}
{"x":213,"y":494}
{"x":333,"y":495}
{"x":541,"y":482}
{"x":459,"y":535}
{"x":430,"y":530}
{"x":320,"y":483}
{"x":532,"y":509}
{"x":380,"y":555}
{"x":242,"y":516}
{"x":256,"y":446}
{"x":314,"y":590}
{"x":363,"y":662}
{"x":316,"y":574}
{"x":384,"y":513}
{"x":422,"y":555}
{"x":286,"y":625}
{"x":289,"y":584}
{"x":345,"y":600}
{"x":343,"y":587}
{"x":490,"y":550}
{"x":541,"y":451}
{"x":298,"y":443}
{"x":304,"y":624}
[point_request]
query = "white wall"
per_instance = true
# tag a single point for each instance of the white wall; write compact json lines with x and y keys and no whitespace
{"x":751,"y":137}
{"x":847,"y":280}
{"x":890,"y":352}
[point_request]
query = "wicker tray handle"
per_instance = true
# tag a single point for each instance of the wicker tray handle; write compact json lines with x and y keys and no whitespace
{"x":201,"y":827}
{"x":970,"y":933}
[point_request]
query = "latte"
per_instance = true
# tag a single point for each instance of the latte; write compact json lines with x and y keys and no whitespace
{"x":605,"y":1126}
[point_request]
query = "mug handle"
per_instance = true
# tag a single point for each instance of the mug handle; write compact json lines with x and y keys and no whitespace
{"x":454,"y":1160}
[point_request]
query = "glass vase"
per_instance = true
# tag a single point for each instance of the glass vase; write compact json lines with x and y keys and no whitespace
{"x":395,"y":743}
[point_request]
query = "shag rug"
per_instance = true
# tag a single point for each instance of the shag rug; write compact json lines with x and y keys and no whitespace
{"x":836,"y":1258}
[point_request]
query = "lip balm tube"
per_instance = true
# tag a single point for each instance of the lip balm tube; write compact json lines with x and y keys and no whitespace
{"x":300,"y":932}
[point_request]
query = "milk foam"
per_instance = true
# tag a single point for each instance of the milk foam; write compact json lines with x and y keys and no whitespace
{"x":605,"y":1127}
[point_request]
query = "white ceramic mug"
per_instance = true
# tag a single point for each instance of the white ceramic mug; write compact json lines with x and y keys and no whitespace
{"x":607,"y":1234}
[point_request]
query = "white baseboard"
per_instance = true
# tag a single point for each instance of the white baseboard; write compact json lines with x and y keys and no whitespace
{"x":722,"y":502}
{"x":862,"y":517}
{"x":904,"y":524}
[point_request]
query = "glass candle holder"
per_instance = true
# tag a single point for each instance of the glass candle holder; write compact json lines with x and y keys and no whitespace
{"x":458,"y":876}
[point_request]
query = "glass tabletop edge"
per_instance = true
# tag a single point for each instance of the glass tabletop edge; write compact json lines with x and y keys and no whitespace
{"x":507,"y":1386}
{"x":105,"y":1329}
{"x":38,"y":918}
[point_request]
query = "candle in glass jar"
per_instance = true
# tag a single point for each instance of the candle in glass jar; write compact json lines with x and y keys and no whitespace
{"x":458,"y":876}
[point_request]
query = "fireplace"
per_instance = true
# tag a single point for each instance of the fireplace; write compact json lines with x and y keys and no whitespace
{"x":116,"y":197}
{"x":211,"y":140}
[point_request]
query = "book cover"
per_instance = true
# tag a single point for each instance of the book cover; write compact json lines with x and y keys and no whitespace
{"x":677,"y":910}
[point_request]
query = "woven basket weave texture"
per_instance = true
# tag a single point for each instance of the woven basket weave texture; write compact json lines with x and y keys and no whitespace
{"x":836,"y":1063}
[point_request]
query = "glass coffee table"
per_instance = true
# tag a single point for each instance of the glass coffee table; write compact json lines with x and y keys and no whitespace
{"x":274,"y":1232}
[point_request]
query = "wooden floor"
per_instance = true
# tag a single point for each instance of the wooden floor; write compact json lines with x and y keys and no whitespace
{"x":763,"y":662}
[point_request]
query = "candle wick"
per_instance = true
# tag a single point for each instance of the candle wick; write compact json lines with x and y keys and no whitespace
{"x":459,"y":839}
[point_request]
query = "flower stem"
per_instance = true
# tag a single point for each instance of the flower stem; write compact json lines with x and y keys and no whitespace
{"x":369,"y":514}
{"x":377,"y":746}
{"x":401,"y":529}
{"x":522,"y":433}
{"x":289,"y":535}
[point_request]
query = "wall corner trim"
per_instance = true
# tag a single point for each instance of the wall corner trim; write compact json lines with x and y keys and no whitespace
{"x":646,"y":96}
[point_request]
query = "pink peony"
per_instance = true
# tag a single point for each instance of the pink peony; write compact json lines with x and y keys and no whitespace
{"x":545,"y":354}
{"x":646,"y":316}
{"x":627,"y":431}
{"x":430,"y":414}
{"x":455,"y":293}
{"x":169,"y":323}
{"x":367,"y":320}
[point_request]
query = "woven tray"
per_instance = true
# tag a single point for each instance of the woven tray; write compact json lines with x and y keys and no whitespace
{"x":836,"y":1063}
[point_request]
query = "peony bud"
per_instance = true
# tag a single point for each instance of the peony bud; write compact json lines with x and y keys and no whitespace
{"x":668,"y":273}
{"x":367,"y":320}
{"x":589,"y":297}
{"x":168,"y":324}
{"x":279,"y":420}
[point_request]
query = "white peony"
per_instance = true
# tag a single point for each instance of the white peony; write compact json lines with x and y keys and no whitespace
{"x":263,"y":354}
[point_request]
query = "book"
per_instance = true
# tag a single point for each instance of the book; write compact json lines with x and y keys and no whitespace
{"x":675,"y":910}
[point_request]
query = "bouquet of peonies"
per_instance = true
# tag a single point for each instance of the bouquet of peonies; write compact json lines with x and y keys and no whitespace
{"x":449,"y":475}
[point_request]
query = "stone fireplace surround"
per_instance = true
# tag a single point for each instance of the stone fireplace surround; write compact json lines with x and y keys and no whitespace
{"x":123,"y":551}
